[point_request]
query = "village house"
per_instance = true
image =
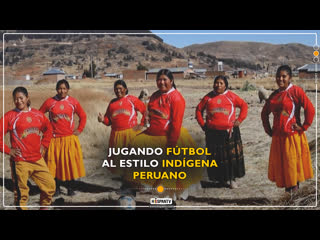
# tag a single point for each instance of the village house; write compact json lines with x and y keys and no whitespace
{"x":178,"y":73}
{"x":308,"y":71}
{"x":54,"y":75}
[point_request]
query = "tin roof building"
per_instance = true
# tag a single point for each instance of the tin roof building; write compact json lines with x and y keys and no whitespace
{"x":308,"y":71}
{"x":54,"y":75}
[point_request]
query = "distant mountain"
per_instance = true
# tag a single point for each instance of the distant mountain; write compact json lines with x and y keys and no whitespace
{"x":64,"y":35}
{"x":255,"y":54}
{"x":111,"y":52}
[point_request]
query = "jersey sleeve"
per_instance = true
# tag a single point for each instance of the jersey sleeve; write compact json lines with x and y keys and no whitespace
{"x":3,"y":130}
{"x":200,"y":109}
{"x":82,"y":116}
{"x":140,"y":107}
{"x":240,"y":103}
{"x":107,"y":116}
{"x":44,"y":107}
{"x":47,"y":132}
{"x":177,"y":112}
{"x":309,"y":110}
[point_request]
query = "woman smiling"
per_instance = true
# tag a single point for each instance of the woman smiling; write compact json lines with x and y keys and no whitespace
{"x":26,"y":125}
{"x":222,"y":131}
{"x":166,"y":111}
{"x":64,"y":157}
{"x":289,"y":158}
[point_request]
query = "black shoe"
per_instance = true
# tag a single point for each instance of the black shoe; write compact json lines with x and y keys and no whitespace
{"x":57,"y":193}
{"x":71,"y":192}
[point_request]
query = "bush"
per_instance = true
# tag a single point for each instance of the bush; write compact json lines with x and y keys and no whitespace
{"x":141,"y":67}
{"x":167,"y":59}
{"x":128,"y":58}
{"x":122,"y":49}
{"x":151,"y":47}
{"x":248,"y":87}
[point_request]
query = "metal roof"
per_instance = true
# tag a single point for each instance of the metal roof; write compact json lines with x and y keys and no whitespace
{"x":200,"y":70}
{"x":310,"y":67}
{"x":53,"y":71}
{"x":111,"y":74}
{"x":179,"y":69}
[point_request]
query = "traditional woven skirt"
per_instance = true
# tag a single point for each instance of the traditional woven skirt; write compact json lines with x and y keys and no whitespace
{"x":228,"y":154}
{"x":64,"y":158}
{"x":120,"y":139}
{"x":289,"y":160}
{"x":171,"y":186}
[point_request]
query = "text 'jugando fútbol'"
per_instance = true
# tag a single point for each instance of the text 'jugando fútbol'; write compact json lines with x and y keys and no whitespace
{"x":184,"y":161}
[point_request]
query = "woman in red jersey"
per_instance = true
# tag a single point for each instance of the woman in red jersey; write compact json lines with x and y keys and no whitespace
{"x":222,"y":131}
{"x":289,"y":159}
{"x":166,"y":111}
{"x":64,"y":156}
{"x":121,"y":115}
{"x":26,"y":125}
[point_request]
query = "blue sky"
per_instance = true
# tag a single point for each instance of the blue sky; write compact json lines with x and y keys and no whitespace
{"x":182,"y":38}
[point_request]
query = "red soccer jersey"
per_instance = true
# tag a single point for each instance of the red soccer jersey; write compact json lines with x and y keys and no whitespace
{"x":61,"y":113}
{"x":121,"y":113}
{"x":166,"y":112}
{"x":285,"y":106}
{"x":221,"y":110}
{"x":26,"y":128}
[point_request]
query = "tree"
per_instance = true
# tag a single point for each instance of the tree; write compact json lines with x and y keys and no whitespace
{"x":88,"y":73}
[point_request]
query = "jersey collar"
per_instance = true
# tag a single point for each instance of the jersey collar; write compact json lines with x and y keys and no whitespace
{"x":58,"y":99}
{"x":18,"y":110}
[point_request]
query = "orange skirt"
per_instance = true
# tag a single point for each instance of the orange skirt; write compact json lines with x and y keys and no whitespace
{"x":193,"y":175}
{"x":289,"y":160}
{"x":64,"y":158}
{"x":120,"y":139}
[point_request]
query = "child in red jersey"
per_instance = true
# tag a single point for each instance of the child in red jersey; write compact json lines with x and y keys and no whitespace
{"x":26,"y":125}
{"x":223,"y":138}
{"x":289,"y":159}
{"x":64,"y":156}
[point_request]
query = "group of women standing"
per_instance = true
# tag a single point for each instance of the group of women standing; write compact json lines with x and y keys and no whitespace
{"x":289,"y":160}
{"x":48,"y":152}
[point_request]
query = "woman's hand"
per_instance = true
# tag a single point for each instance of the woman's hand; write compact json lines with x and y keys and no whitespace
{"x":137,"y":128}
{"x":14,"y":152}
{"x":100,"y":117}
{"x":297,"y":128}
{"x":43,"y":150}
{"x":236,"y":123}
{"x":76,"y":132}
